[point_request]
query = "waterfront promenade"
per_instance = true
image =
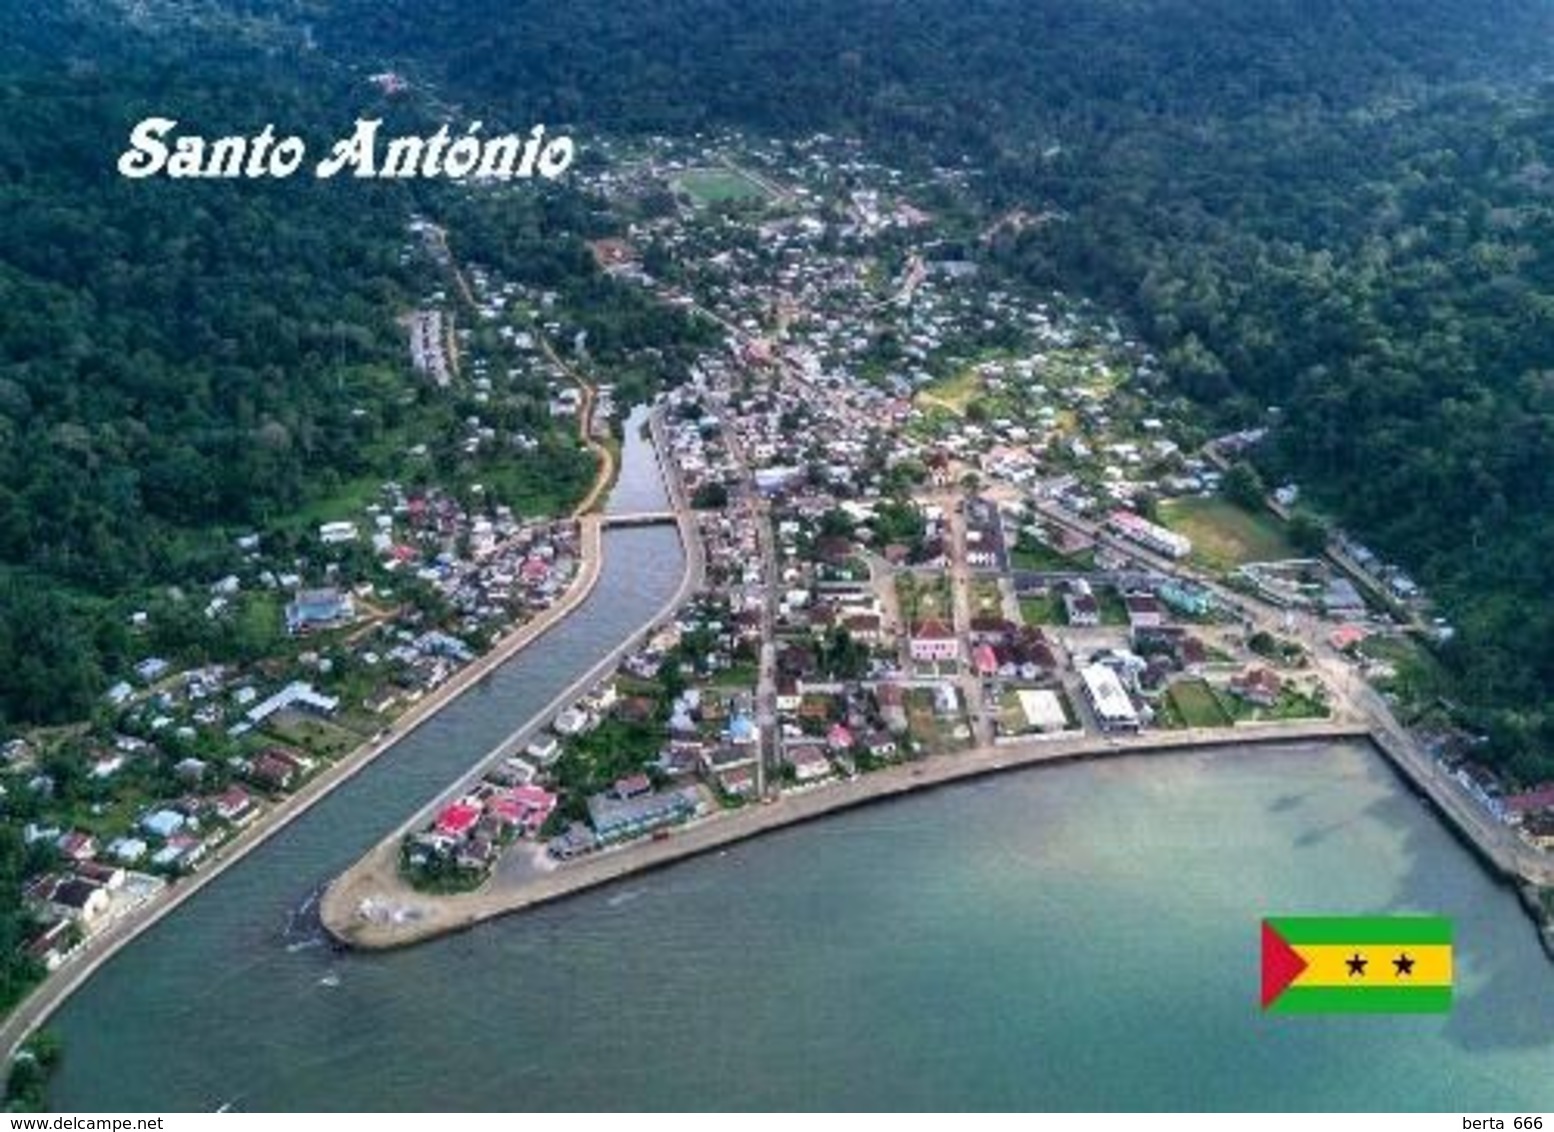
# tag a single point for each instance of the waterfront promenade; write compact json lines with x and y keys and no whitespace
{"x":397,"y":916}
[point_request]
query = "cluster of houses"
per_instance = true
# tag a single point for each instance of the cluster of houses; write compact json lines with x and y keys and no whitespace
{"x":470,"y":832}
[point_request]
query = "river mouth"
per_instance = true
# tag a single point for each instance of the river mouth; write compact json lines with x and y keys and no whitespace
{"x":1006,"y":942}
{"x":1003,"y":943}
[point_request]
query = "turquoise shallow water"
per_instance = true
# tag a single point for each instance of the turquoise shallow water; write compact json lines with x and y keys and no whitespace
{"x":1075,"y":937}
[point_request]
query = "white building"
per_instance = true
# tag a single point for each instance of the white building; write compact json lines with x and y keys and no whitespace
{"x":1114,"y":710}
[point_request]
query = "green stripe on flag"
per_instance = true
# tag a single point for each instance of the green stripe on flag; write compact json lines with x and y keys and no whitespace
{"x":1362,"y":1000}
{"x":1361,"y":930}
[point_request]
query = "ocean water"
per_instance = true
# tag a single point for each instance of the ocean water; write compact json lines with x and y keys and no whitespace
{"x":1083,"y":936}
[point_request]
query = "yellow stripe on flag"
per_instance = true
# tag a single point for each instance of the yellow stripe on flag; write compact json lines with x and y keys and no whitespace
{"x":1374,"y":965}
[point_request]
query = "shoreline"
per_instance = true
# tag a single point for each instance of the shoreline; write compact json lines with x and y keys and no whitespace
{"x":50,"y":994}
{"x":439,"y":915}
{"x":442,"y":915}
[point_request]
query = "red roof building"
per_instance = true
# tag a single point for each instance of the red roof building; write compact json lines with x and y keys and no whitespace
{"x":458,"y":819}
{"x":984,"y":660}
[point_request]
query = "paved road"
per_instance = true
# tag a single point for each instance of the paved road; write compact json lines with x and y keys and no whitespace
{"x":435,"y":916}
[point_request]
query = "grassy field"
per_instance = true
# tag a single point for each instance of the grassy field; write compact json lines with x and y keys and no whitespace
{"x":1197,"y":705}
{"x":986,"y":598}
{"x":934,"y":732}
{"x":953,"y":393}
{"x":922,"y":597}
{"x":1029,"y":554}
{"x":1224,"y":535}
{"x":744,"y":674}
{"x":716,"y":186}
{"x":1043,"y":610}
{"x":1114,"y":611}
{"x":315,"y":736}
{"x":1292,"y":704}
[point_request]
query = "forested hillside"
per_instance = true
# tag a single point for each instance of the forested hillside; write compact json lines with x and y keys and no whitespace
{"x":1340,"y":208}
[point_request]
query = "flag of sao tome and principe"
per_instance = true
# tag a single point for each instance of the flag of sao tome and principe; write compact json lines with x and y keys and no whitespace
{"x":1356,"y":964}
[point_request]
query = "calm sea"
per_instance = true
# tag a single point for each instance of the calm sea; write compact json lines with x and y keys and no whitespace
{"x":1073,"y":937}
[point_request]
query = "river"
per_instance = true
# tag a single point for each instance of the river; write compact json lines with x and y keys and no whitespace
{"x":1082,"y":936}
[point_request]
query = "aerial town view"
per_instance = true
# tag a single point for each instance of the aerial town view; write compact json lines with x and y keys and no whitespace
{"x":435,"y":646}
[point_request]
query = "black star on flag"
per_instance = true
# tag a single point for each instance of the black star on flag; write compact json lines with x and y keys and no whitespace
{"x":1357,"y":964}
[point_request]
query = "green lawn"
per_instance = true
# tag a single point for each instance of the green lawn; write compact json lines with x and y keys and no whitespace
{"x":1224,"y":535}
{"x":1197,"y":705}
{"x":315,"y":736}
{"x":1292,"y":704}
{"x":934,"y":732}
{"x":1043,"y":610}
{"x":953,"y":393}
{"x":1028,"y":554}
{"x":1114,"y":611}
{"x":743,"y":674}
{"x":923,"y":596}
{"x":986,"y":599}
{"x":716,"y":186}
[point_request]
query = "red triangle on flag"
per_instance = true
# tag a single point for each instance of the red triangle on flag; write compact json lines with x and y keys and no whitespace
{"x":1282,"y":964}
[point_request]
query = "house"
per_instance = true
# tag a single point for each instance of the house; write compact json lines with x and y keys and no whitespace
{"x":163,"y":823}
{"x":1149,"y":535}
{"x":576,"y":840}
{"x":77,"y":846}
{"x":1538,"y":829}
{"x":788,"y":696}
{"x":865,"y":628}
{"x":984,"y":661}
{"x":233,"y":805}
{"x":809,"y":763}
{"x":633,"y":786}
{"x":892,"y":704}
{"x":1193,"y":601}
{"x":881,"y":746}
{"x":933,"y":641}
{"x":1540,"y":797}
{"x":1080,"y":604}
{"x":721,"y":757}
{"x":51,"y":946}
{"x":274,"y":769}
{"x":128,"y":850}
{"x":458,"y":820}
{"x":1258,"y":685}
{"x":1144,"y":611}
{"x":615,"y":818}
{"x":988,"y":630}
{"x":76,"y":898}
{"x":544,"y":750}
{"x":326,"y":608}
{"x":111,"y":877}
{"x":738,"y":782}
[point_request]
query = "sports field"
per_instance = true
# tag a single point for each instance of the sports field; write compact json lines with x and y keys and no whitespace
{"x":716,"y":186}
{"x":1225,"y":535}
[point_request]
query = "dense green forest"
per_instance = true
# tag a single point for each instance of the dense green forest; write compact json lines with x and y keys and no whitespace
{"x":185,"y":361}
{"x":1338,"y":208}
